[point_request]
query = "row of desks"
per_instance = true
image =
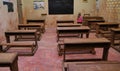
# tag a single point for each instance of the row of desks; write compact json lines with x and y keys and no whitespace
{"x":30,"y":32}
{"x":70,"y":45}
{"x":76,"y":43}
{"x":109,"y":30}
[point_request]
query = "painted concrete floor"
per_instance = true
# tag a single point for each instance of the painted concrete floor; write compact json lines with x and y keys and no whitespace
{"x":46,"y":58}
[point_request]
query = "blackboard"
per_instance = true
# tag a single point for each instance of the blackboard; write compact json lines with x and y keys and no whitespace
{"x":61,"y":6}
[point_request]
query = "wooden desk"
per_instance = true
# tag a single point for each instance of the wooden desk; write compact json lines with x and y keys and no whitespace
{"x":32,"y":26}
{"x":20,"y":26}
{"x":92,"y":22}
{"x":94,"y":66}
{"x":35,"y":20}
{"x":40,"y":21}
{"x":0,"y":48}
{"x":22,"y":32}
{"x":115,"y":36}
{"x":105,"y":26}
{"x":73,"y":30}
{"x":92,"y":17}
{"x":65,"y":21}
{"x":68,"y":25}
{"x":75,"y":44}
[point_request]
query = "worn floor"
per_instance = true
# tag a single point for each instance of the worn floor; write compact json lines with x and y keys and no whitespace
{"x":46,"y":58}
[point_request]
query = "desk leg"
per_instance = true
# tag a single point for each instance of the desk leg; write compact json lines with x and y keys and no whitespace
{"x":44,"y":27}
{"x":65,"y":69}
{"x":1,"y":48}
{"x":16,"y":38}
{"x":112,"y":39}
{"x":7,"y":38}
{"x":105,"y":53}
{"x":87,"y":35}
{"x":36,"y":39}
{"x":57,"y":36}
{"x":81,"y":35}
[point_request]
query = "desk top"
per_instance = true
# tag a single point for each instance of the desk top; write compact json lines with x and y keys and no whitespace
{"x":94,"y":66}
{"x":95,"y":20}
{"x":21,"y":31}
{"x":74,"y":28}
{"x":65,"y":21}
{"x":108,"y":23}
{"x":85,"y":41}
{"x":68,"y":25}
{"x":31,"y":25}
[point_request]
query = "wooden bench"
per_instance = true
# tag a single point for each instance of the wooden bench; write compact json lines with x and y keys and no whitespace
{"x":17,"y":45}
{"x":93,"y":66}
{"x":16,"y":33}
{"x":31,"y":26}
{"x":40,"y":21}
{"x":73,"y":45}
{"x":105,"y":26}
{"x":72,"y":30}
{"x":104,"y":29}
{"x":81,"y":51}
{"x":9,"y":60}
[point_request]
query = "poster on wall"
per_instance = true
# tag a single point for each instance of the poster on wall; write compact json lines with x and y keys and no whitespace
{"x":38,"y":4}
{"x":9,"y":5}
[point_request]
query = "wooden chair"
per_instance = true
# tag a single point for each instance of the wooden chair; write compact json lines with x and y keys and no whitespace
{"x":86,"y":15}
{"x":9,"y":60}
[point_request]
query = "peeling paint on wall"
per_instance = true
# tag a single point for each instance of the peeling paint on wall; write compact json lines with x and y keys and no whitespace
{"x":8,"y":20}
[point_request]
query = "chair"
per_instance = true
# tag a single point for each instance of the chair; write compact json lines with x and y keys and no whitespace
{"x":9,"y":60}
{"x":86,"y":15}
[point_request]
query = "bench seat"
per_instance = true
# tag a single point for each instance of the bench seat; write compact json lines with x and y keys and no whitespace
{"x":9,"y":60}
{"x":18,"y":45}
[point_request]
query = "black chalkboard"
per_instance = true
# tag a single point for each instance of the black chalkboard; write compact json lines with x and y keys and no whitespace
{"x":61,"y":6}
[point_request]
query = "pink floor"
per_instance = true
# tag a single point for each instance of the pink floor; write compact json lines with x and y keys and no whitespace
{"x":46,"y":58}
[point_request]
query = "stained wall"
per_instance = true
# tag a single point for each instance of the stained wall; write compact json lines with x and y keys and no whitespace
{"x":79,"y":6}
{"x":110,"y":10}
{"x":8,"y":20}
